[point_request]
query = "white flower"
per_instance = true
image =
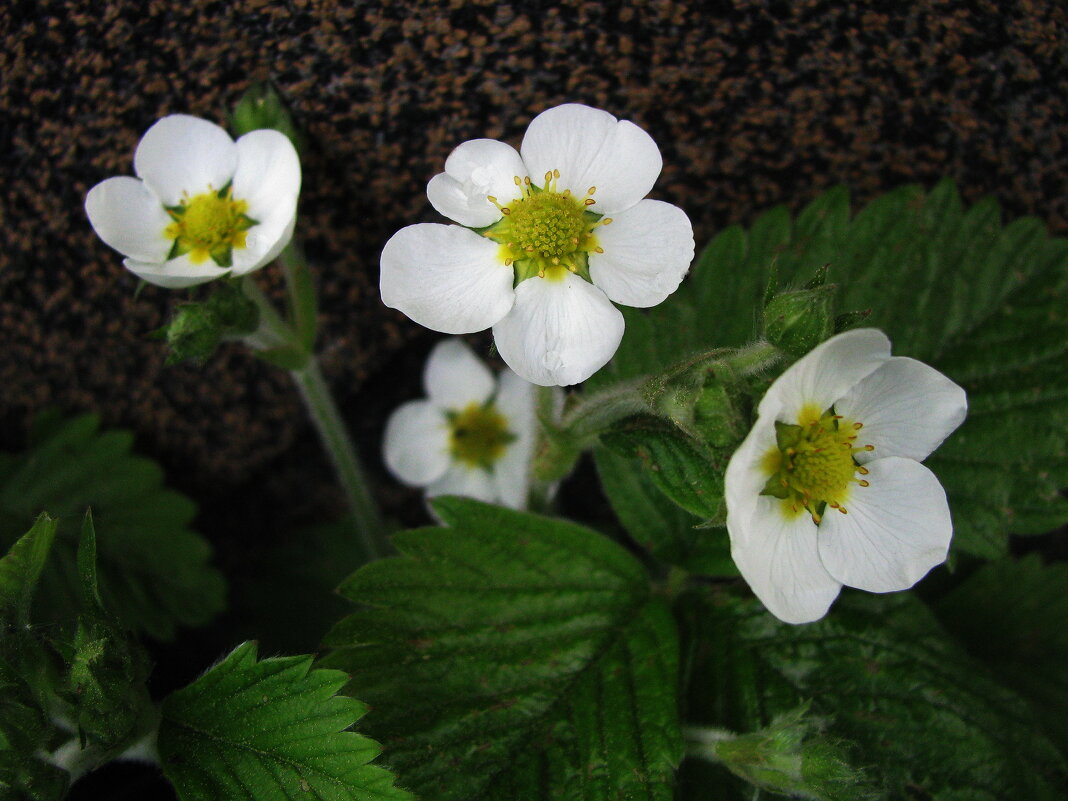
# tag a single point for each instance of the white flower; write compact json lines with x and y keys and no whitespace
{"x":828,"y":488}
{"x":555,"y":233}
{"x":472,"y":436}
{"x":202,"y":205}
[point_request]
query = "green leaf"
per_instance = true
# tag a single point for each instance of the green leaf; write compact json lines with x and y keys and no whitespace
{"x":269,"y":730}
{"x":1013,"y":617}
{"x":889,"y":679}
{"x":985,"y":303}
{"x":661,"y":527}
{"x":153,"y":570}
{"x":689,"y":474}
{"x":105,"y":668}
{"x":513,"y":656}
{"x":21,"y":567}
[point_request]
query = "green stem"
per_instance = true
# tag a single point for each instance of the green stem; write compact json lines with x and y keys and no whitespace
{"x":338,"y":444}
{"x":595,"y":412}
{"x":274,"y":332}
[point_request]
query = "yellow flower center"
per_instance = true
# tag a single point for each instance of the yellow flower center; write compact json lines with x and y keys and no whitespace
{"x":812,"y":465}
{"x":478,"y":435}
{"x":547,"y":233}
{"x":210,"y":225}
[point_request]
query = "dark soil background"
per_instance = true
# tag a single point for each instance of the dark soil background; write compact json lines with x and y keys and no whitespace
{"x":752,"y":104}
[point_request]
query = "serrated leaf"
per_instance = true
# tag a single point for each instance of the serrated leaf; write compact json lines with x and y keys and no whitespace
{"x":1013,"y":617}
{"x":889,"y":679}
{"x":512,"y":656}
{"x":21,"y":567}
{"x":269,"y":730}
{"x":154,"y":571}
{"x":689,"y":474}
{"x":985,"y":303}
{"x":664,"y":529}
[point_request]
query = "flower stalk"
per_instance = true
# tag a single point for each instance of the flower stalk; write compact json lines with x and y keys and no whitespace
{"x":286,"y":346}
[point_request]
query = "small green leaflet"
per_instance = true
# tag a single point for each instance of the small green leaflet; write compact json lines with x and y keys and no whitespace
{"x":985,"y":303}
{"x":21,"y":567}
{"x":269,"y":730}
{"x":664,"y":529}
{"x":888,"y":679}
{"x":154,"y":571}
{"x":512,"y":656}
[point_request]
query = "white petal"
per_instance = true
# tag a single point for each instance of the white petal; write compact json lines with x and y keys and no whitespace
{"x":454,"y":377}
{"x":512,"y":473}
{"x":647,"y":251}
{"x":129,"y":218}
{"x":559,"y":332}
{"x":590,"y":147}
{"x":263,"y":244}
{"x":471,"y":482}
{"x":473,"y":171}
{"x":177,"y":273}
{"x":416,"y":443}
{"x":822,"y":376}
{"x":777,"y":556}
{"x":781,"y":562}
{"x":183,"y":154}
{"x":268,"y":173}
{"x":907,"y":407}
{"x":896,"y":529}
{"x":446,"y":278}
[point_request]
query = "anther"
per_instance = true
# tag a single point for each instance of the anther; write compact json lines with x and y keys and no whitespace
{"x":507,"y":262}
{"x":556,"y":173}
{"x":598,"y":250}
{"x":863,"y":471}
{"x":869,"y":447}
{"x":505,"y":210}
{"x":588,"y":201}
{"x":518,"y":181}
{"x":858,"y":426}
{"x":864,"y":483}
{"x":842,"y":509}
{"x":591,"y":190}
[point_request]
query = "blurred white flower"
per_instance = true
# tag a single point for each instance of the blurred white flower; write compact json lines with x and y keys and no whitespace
{"x":202,"y":205}
{"x":554,"y":234}
{"x":828,"y":490}
{"x":474,"y":435}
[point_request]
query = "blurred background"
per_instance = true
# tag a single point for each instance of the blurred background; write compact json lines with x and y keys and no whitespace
{"x":753,"y":104}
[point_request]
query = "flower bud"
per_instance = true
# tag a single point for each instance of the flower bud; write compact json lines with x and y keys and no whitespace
{"x":797,"y":321}
{"x":262,"y":107}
